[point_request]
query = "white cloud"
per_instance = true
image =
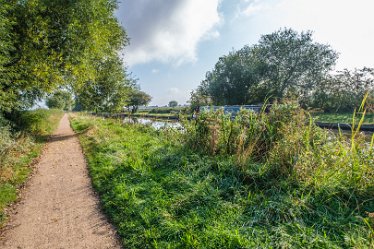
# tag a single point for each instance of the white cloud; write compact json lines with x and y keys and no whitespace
{"x":344,"y":24}
{"x":167,"y":31}
{"x":214,"y":34}
{"x":173,"y":91}
{"x":253,"y":7}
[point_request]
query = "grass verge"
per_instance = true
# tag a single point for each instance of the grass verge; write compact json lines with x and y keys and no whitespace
{"x":19,"y":147}
{"x":344,"y":118}
{"x":209,"y":187}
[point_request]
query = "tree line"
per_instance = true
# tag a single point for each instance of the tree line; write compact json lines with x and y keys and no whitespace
{"x":53,"y":48}
{"x":284,"y":65}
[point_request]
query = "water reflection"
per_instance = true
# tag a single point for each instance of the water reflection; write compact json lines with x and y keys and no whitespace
{"x":157,"y":124}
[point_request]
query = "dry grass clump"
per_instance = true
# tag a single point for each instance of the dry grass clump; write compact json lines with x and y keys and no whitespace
{"x":286,"y":143}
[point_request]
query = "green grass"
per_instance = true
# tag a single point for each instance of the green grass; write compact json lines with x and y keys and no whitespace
{"x":159,"y":115}
{"x":168,"y":110}
{"x":341,"y":118}
{"x":165,"y":112}
{"x":141,"y":114}
{"x":165,"y":189}
{"x":20,"y":149}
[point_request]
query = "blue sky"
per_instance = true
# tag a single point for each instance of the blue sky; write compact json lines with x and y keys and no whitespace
{"x":173,"y":43}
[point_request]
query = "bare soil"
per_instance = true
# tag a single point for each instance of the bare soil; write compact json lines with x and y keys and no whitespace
{"x":59,"y":208}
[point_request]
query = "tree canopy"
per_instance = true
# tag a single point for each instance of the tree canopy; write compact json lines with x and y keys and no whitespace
{"x":7,"y":95}
{"x":110,"y":91}
{"x":173,"y":103}
{"x":344,"y":91}
{"x":61,"y":99}
{"x":138,"y":98}
{"x":47,"y":45}
{"x":283,"y":63}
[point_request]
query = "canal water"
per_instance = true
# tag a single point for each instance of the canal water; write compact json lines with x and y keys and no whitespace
{"x":155,"y":123}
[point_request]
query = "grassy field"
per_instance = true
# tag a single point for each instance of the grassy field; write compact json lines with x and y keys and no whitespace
{"x":260,"y":181}
{"x":19,"y":148}
{"x":345,"y":118}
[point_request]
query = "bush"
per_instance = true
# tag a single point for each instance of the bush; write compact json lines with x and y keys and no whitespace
{"x":6,"y":140}
{"x":39,"y":122}
{"x":286,"y":143}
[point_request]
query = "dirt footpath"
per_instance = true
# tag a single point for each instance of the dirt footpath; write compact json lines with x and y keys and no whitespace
{"x":59,"y":208}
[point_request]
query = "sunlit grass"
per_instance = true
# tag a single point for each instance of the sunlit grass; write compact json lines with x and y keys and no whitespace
{"x":209,"y":187}
{"x":345,"y":118}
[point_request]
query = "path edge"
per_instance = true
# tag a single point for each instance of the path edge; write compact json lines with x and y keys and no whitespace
{"x":94,"y":192}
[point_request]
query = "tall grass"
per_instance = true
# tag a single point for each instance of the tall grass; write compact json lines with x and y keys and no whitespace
{"x":345,"y":118}
{"x":282,"y":144}
{"x":20,"y":144}
{"x":260,"y":181}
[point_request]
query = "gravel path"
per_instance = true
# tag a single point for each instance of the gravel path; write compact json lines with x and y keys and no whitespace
{"x":59,"y":208}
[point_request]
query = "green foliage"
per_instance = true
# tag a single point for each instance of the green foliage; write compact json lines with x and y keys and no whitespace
{"x":345,"y":118}
{"x":173,"y":103}
{"x":200,"y":97}
{"x":7,"y":98}
{"x":297,"y":186}
{"x":138,"y":98}
{"x":171,"y":110}
{"x":177,"y":112}
{"x":48,"y":45}
{"x":19,"y":149}
{"x":344,"y":91}
{"x":285,"y":142}
{"x":39,"y":122}
{"x":292,"y":63}
{"x":62,"y":100}
{"x":284,"y":63}
{"x":110,"y":91}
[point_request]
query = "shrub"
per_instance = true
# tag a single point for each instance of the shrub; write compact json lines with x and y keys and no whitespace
{"x":6,"y":140}
{"x":39,"y":122}
{"x":286,"y":143}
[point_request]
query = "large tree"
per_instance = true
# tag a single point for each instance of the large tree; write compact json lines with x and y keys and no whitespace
{"x":173,"y":103}
{"x":8,"y":96}
{"x":344,"y":91}
{"x":61,"y":99}
{"x":138,"y":98}
{"x":110,"y":91}
{"x":53,"y":44}
{"x":293,"y":64}
{"x":283,"y":63}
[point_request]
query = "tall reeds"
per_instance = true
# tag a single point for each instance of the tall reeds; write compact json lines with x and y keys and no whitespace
{"x":285,"y":142}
